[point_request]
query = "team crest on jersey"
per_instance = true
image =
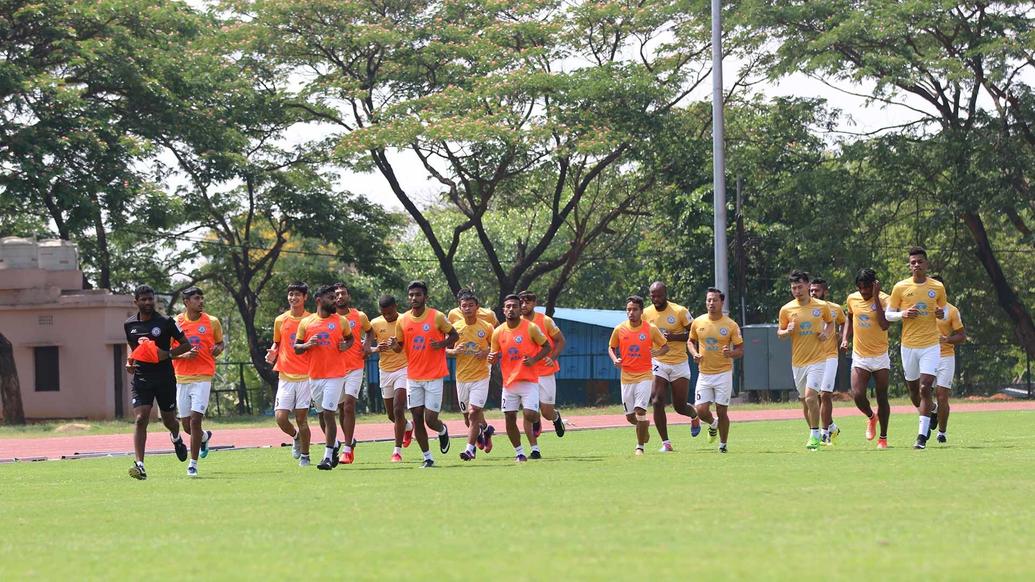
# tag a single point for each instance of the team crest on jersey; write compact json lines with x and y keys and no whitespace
{"x":331,"y":326}
{"x":931,"y":294}
{"x":518,"y":339}
{"x":352,"y":324}
{"x":426,"y":327}
{"x":723,"y":331}
{"x":671,"y":319}
{"x":643,"y":337}
{"x":201,"y":329}
{"x":481,"y":333}
{"x":815,"y":313}
{"x":156,"y":331}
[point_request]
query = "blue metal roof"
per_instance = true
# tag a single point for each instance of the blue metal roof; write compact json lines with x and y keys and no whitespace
{"x":608,"y":318}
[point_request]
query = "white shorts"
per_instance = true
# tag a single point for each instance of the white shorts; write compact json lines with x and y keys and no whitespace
{"x":327,"y":392}
{"x":521,"y":395}
{"x":717,"y":388}
{"x":392,"y":381}
{"x":916,"y":361}
{"x":871,"y":363}
{"x":829,"y":374}
{"x":636,"y":395}
{"x":472,"y":393}
{"x":810,"y":377}
{"x":353,"y":382}
{"x":293,"y":395}
{"x":671,"y":372}
{"x":548,"y":389}
{"x":946,"y":370}
{"x":192,"y":397}
{"x":426,"y":393}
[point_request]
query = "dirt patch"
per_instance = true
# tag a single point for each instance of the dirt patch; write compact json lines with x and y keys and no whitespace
{"x":72,"y":427}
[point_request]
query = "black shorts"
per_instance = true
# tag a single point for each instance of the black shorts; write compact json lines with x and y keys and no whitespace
{"x":147,"y":389}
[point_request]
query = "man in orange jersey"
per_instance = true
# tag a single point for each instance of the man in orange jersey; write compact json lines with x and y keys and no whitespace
{"x":485,"y":314}
{"x":194,"y":371}
{"x":820,"y":289}
{"x":632,"y":345}
{"x":293,"y":393}
{"x":392,"y":368}
{"x":518,"y":345}
{"x":673,"y":368}
{"x":915,"y":302}
{"x":324,"y":336}
{"x":423,"y":334}
{"x":547,"y":369}
{"x":714,"y":343}
{"x":472,"y":374}
{"x":808,"y":323}
{"x":950,"y":333}
{"x":355,"y":361}
{"x":867,"y":327}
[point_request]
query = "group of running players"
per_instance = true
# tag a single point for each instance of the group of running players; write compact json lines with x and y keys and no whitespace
{"x":320,"y":358}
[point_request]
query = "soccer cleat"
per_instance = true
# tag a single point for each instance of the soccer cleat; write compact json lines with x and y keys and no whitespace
{"x":397,"y":458}
{"x":695,"y":426}
{"x":537,"y":428}
{"x":407,"y":437}
{"x":713,"y":433}
{"x":465,"y":456}
{"x":487,"y":436}
{"x":722,"y":448}
{"x":192,"y":471}
{"x":296,"y":447}
{"x":833,"y":436}
{"x":137,"y":472}
{"x":204,"y":444}
{"x":921,"y":442}
{"x":181,"y":450}
{"x":427,"y":464}
{"x":347,"y":458}
{"x":520,"y":459}
{"x":942,"y":438}
{"x":303,"y":461}
{"x":334,"y":455}
{"x":813,"y":444}
{"x":871,"y":428}
{"x":443,"y":441}
{"x":558,"y":424}
{"x":882,"y":443}
{"x":326,"y":465}
{"x":665,"y":448}
{"x":639,"y":452}
{"x":535,"y":455}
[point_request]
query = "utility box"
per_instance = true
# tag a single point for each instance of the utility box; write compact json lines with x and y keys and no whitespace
{"x":767,"y":359}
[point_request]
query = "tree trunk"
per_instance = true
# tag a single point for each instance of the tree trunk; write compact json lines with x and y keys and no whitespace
{"x":104,"y":254}
{"x":256,"y":352}
{"x":10,"y":388}
{"x":1024,"y":328}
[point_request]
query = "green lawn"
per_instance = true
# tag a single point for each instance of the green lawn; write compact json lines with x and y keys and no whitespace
{"x":591,"y":510}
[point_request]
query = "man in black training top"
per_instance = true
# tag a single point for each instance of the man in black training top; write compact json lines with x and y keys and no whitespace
{"x":153,"y":381}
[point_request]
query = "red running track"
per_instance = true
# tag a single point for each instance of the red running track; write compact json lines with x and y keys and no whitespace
{"x":118,"y":444}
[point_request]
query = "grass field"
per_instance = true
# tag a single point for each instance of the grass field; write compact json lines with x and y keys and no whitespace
{"x":590,"y":510}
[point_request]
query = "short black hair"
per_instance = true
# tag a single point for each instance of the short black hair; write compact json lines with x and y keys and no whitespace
{"x":917,"y":251}
{"x":526,"y":295}
{"x":716,"y":290}
{"x":386,"y":301}
{"x":299,"y":286}
{"x":325,"y":289}
{"x":417,"y":285}
{"x":467,"y":296}
{"x":820,"y":281}
{"x":512,"y":297}
{"x":866,"y":276}
{"x":341,"y":285}
{"x":798,"y":276}
{"x":192,"y":291}
{"x":634,"y":299}
{"x":143,"y":290}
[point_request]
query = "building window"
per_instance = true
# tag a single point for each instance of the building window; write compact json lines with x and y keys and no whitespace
{"x":48,"y":378}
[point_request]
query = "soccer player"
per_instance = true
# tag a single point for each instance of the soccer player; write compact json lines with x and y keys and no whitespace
{"x":324,"y":336}
{"x":355,"y":360}
{"x":867,"y":328}
{"x":472,"y":373}
{"x":819,"y":289}
{"x":293,"y":393}
{"x":547,"y":368}
{"x":518,"y":345}
{"x":392,"y":366}
{"x":950,"y":333}
{"x":718,"y":343}
{"x":152,"y":381}
{"x":808,"y":323}
{"x":673,"y":368}
{"x":485,"y":314}
{"x":424,"y":334}
{"x":194,"y":371}
{"x":914,"y":302}
{"x":632,"y":345}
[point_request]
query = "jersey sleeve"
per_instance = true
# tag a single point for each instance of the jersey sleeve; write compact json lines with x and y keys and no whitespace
{"x":956,"y":320}
{"x":693,"y":330}
{"x":828,"y":314}
{"x":656,"y":337}
{"x":400,"y":336}
{"x":895,"y":301}
{"x":495,"y":343}
{"x":551,"y":328}
{"x":613,"y":342}
{"x":536,"y":334}
{"x":784,"y":319}
{"x":735,"y":337}
{"x":684,"y":318}
{"x":277,"y":324}
{"x":454,"y":315}
{"x":300,"y":332}
{"x":848,"y":305}
{"x":364,"y":322}
{"x":217,"y":329}
{"x":175,"y":331}
{"x":840,"y":314}
{"x":442,"y":323}
{"x":495,"y":320}
{"x":941,"y":298}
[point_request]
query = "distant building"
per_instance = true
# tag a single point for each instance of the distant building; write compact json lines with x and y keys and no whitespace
{"x":69,"y":344}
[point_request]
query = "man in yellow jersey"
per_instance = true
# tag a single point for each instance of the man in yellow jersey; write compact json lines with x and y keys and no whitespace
{"x":808,"y":323}
{"x":950,"y":333}
{"x":672,"y":368}
{"x":820,"y":289}
{"x":867,"y":328}
{"x":547,"y":369}
{"x":914,"y":302}
{"x":485,"y":314}
{"x":715,"y":341}
{"x":472,"y":373}
{"x":632,"y":345}
{"x":392,"y":368}
{"x":293,"y":392}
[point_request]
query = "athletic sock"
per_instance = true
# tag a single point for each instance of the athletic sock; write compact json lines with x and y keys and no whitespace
{"x":639,"y":446}
{"x":409,"y":425}
{"x":814,"y":433}
{"x":519,"y":450}
{"x":175,"y":438}
{"x":397,"y":450}
{"x":832,"y":428}
{"x":139,"y":464}
{"x":193,"y":463}
{"x":346,"y":449}
{"x":925,"y":425}
{"x":427,"y":455}
{"x":204,"y":436}
{"x":941,"y":433}
{"x":715,"y":423}
{"x":535,"y":448}
{"x":825,"y":432}
{"x":666,"y":442}
{"x":470,"y":448}
{"x":722,"y":445}
{"x":328,"y":453}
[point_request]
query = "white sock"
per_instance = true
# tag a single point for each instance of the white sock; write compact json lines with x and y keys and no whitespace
{"x":427,"y":455}
{"x":409,"y":425}
{"x":328,"y":453}
{"x":444,"y":430}
{"x":519,"y":450}
{"x":204,"y":436}
{"x":715,"y":423}
{"x":305,"y":456}
{"x":140,"y":464}
{"x":832,"y":428}
{"x":535,"y":448}
{"x":826,"y":432}
{"x":666,"y":442}
{"x":814,"y":433}
{"x":722,"y":445}
{"x":639,"y":446}
{"x":193,"y":463}
{"x":397,"y":450}
{"x":175,"y":438}
{"x":346,"y":449}
{"x":925,"y":425}
{"x":470,"y":448}
{"x":941,"y":433}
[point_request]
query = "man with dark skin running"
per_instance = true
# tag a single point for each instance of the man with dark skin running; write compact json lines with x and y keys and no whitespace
{"x":867,"y":328}
{"x":673,"y":367}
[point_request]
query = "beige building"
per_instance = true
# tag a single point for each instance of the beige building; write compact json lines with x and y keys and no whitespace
{"x":69,"y":343}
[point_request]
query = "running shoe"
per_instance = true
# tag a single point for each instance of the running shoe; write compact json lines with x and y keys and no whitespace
{"x":722,"y":448}
{"x":695,"y":426}
{"x":558,"y":424}
{"x":427,"y":464}
{"x":713,"y":433}
{"x":535,"y":455}
{"x":443,"y":441}
{"x":397,"y":458}
{"x":204,"y":444}
{"x":665,"y":448}
{"x":871,"y":427}
{"x":487,"y":435}
{"x":465,"y":456}
{"x":303,"y":461}
{"x":813,"y":444}
{"x":192,"y":471}
{"x":921,"y":442}
{"x":882,"y":443}
{"x":334,"y":455}
{"x":942,"y":438}
{"x":347,"y":458}
{"x":137,"y":472}
{"x":326,"y":465}
{"x":181,"y":450}
{"x":520,"y":459}
{"x":639,"y":452}
{"x":408,"y":436}
{"x":296,"y":447}
{"x":833,"y":435}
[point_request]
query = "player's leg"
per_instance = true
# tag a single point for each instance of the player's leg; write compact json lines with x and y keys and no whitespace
{"x":165,"y":396}
{"x":141,"y":418}
{"x":812,"y":402}
{"x":640,"y":400}
{"x":723,"y":393}
{"x":942,"y":396}
{"x":304,"y":435}
{"x":403,"y":427}
{"x":432,"y":408}
{"x":681,"y":397}
{"x":283,"y":405}
{"x":348,"y":429}
{"x":722,"y":410}
{"x":331,"y":389}
{"x":476,"y":394}
{"x":704,"y":396}
{"x":528,"y":393}
{"x":928,"y":363}
{"x":860,"y":381}
{"x":830,"y":431}
{"x":881,"y":381}
{"x":548,"y":403}
{"x":659,"y":397}
{"x":510,"y":404}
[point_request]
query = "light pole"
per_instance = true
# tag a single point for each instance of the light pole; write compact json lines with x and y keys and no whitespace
{"x":719,"y":153}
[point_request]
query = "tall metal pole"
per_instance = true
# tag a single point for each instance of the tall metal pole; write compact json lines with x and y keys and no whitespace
{"x":719,"y":153}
